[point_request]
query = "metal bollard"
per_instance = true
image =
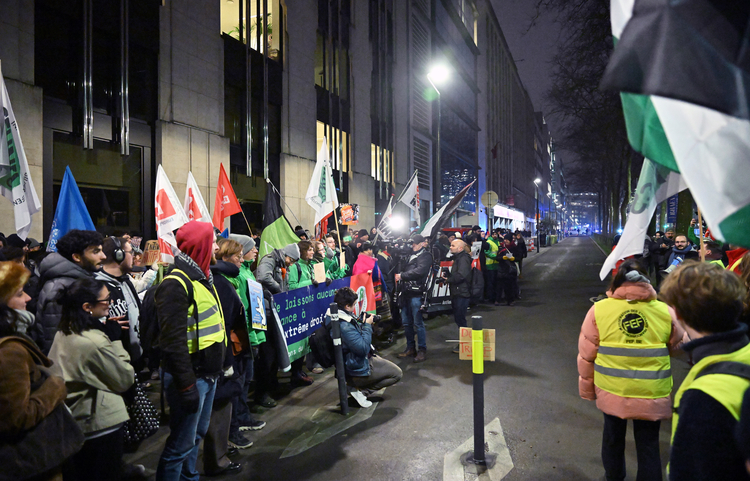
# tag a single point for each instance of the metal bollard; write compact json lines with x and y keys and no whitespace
{"x":477,"y":364}
{"x":339,"y":355}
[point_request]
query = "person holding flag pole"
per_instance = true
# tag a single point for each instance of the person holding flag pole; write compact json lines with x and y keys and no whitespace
{"x":321,"y":193}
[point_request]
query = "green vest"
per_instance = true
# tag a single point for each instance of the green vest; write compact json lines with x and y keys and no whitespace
{"x":633,"y":358}
{"x":209,"y":328}
{"x":728,"y":389}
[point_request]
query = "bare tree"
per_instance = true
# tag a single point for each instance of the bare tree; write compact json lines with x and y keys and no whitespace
{"x":594,"y":126}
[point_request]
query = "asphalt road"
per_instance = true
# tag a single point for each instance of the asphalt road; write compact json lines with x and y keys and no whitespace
{"x":532,"y":389}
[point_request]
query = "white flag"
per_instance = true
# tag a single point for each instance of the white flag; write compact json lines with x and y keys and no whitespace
{"x":169,"y":214}
{"x":655,"y":185}
{"x":410,"y":196}
{"x":15,"y":180}
{"x":194,"y":206}
{"x":321,"y":193}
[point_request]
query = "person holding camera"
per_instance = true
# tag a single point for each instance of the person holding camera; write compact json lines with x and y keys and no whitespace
{"x":365,"y":370}
{"x":414,"y":277}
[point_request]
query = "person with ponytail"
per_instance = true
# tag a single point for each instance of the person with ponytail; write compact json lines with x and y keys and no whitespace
{"x":624,"y":365}
{"x":97,"y":371}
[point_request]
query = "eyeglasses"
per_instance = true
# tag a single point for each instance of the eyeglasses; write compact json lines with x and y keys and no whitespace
{"x":106,"y":300}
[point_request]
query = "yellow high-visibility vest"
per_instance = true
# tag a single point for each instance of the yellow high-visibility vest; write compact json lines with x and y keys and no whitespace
{"x":633,"y":358}
{"x":207,"y":326}
{"x":494,"y":247}
{"x":728,"y":389}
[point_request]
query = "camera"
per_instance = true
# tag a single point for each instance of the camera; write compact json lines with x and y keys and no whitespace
{"x":363,"y":316}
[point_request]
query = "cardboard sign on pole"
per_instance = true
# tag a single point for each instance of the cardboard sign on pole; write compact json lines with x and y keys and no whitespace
{"x":150,"y":253}
{"x":465,"y":353}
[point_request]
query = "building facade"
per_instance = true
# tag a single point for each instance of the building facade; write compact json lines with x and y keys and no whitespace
{"x":112,"y":89}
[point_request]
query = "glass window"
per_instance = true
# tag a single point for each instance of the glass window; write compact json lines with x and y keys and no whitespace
{"x":340,"y":141}
{"x":110,"y":183}
{"x":234,"y":24}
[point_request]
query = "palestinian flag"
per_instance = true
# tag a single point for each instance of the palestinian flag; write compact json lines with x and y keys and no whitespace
{"x":442,"y":216}
{"x":277,"y":232}
{"x":683,"y":77}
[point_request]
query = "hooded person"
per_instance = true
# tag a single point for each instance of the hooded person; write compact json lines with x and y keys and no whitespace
{"x":193,"y":341}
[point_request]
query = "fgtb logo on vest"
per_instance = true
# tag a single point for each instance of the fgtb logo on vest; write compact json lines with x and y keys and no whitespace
{"x":632,"y":324}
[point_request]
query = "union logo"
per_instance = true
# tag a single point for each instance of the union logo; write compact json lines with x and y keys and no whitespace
{"x":632,"y":323}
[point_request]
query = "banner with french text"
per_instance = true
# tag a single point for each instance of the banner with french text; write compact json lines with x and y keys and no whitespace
{"x":302,"y":310}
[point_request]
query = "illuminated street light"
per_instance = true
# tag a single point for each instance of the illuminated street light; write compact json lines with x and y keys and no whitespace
{"x":438,"y":74}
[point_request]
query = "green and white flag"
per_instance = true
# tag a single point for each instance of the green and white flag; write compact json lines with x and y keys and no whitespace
{"x":321,"y":193}
{"x":15,"y":180}
{"x":655,"y":185}
{"x":709,"y":148}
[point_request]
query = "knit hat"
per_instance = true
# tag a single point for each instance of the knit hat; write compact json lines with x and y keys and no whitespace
{"x":417,"y":239}
{"x":292,"y":250}
{"x":508,"y":236}
{"x":362,"y":233}
{"x":13,"y":276}
{"x":247,"y":242}
{"x":32,"y":242}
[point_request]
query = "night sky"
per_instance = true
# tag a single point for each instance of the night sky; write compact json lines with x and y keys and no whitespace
{"x":532,"y":48}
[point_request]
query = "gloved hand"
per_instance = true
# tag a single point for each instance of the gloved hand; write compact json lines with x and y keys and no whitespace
{"x":190,"y":399}
{"x":328,"y":281}
{"x":155,"y":266}
{"x":314,"y":283}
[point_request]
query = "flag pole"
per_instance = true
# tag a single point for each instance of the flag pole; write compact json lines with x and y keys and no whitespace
{"x":246,"y":222}
{"x":282,"y":200}
{"x":700,"y":227}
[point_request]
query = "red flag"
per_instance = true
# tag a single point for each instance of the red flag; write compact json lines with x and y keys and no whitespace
{"x":226,"y":202}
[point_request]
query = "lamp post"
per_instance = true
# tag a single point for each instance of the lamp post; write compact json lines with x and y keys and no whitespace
{"x":538,"y":220}
{"x":438,"y":74}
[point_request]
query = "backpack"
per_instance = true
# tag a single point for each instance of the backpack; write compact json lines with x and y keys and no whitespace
{"x":149,"y":321}
{"x":321,"y":345}
{"x":476,"y":285}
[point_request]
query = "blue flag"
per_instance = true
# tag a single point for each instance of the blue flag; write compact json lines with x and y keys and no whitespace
{"x":71,"y":212}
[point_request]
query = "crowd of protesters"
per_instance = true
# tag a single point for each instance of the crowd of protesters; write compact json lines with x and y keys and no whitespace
{"x":88,"y":327}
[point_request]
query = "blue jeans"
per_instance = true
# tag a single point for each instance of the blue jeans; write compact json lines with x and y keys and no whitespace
{"x":177,"y":461}
{"x":411,"y":318}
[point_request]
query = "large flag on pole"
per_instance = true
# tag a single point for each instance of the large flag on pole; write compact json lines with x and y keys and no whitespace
{"x":655,"y":185}
{"x":169,"y":215}
{"x":70,"y":213}
{"x":442,"y":216}
{"x":15,"y":180}
{"x":194,"y":206}
{"x":277,"y":232}
{"x":321,"y":193}
{"x":384,"y":227}
{"x":673,"y":111}
{"x":410,"y":195}
{"x":226,"y":202}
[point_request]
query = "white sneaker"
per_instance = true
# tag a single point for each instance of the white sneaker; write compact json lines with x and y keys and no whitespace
{"x":360,"y":398}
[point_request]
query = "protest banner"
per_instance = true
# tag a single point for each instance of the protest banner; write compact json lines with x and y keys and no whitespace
{"x":302,"y":310}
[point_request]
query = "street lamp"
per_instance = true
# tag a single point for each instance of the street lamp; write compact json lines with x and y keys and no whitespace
{"x":538,"y":235}
{"x":438,"y":74}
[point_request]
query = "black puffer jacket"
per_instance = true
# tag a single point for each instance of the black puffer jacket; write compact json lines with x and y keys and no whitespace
{"x":415,"y":273}
{"x":460,"y":275}
{"x":56,"y":272}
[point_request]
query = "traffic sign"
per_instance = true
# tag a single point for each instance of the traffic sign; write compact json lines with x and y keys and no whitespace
{"x":489,"y":199}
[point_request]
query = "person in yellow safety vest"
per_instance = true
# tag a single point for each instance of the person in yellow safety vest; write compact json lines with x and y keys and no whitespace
{"x":624,"y":365}
{"x":491,"y":267}
{"x":708,"y":302}
{"x":192,"y":340}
